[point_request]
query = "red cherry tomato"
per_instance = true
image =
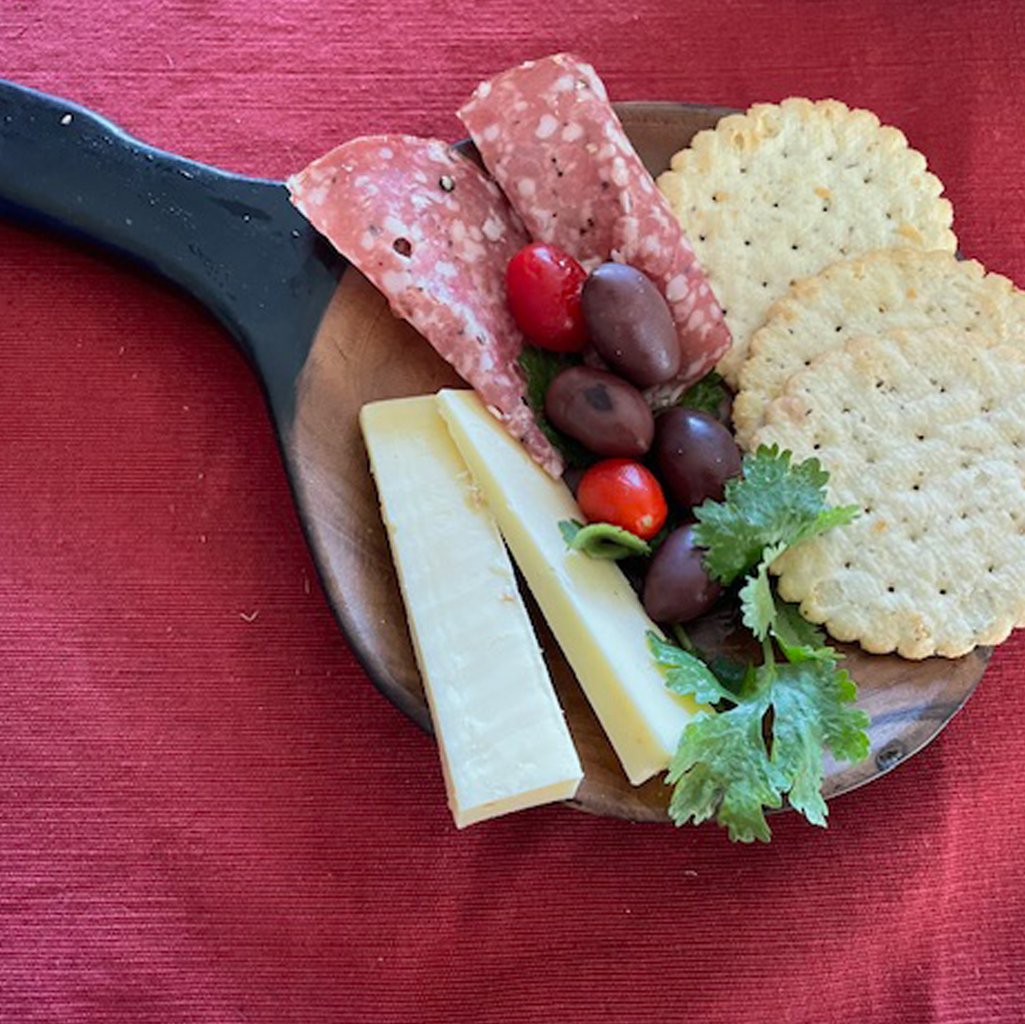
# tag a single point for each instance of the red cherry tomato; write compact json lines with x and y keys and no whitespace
{"x":624,"y":493}
{"x":543,"y":286}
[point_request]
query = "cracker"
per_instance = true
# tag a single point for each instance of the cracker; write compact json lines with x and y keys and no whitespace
{"x":888,"y":289}
{"x":926,"y":432}
{"x":779,"y":193}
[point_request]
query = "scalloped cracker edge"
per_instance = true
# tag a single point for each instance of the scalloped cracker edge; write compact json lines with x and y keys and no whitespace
{"x":780,"y":192}
{"x":926,"y":432}
{"x":891,"y":289}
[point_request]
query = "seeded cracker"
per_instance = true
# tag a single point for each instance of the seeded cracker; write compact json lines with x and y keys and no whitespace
{"x":889,"y":289}
{"x":780,"y":192}
{"x":926,"y":431}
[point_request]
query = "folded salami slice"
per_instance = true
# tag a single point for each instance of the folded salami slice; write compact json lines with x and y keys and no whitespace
{"x":548,"y":134}
{"x":434,"y":234}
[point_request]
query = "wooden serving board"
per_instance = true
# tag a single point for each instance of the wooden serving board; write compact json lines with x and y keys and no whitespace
{"x":324,"y":343}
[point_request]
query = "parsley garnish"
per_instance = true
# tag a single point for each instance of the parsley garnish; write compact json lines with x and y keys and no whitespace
{"x":776,"y":719}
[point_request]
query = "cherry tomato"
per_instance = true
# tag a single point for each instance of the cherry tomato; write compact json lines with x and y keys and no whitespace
{"x":543,"y":286}
{"x":625,"y":493}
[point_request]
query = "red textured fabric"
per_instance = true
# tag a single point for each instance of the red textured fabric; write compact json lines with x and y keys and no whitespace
{"x":207,"y":814}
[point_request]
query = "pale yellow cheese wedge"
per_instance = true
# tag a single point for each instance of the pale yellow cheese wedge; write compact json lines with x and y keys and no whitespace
{"x":589,"y":604}
{"x":503,"y":739}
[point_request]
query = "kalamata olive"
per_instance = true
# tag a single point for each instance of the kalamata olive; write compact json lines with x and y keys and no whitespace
{"x":605,"y":414}
{"x":677,"y":588}
{"x":695,"y":455}
{"x":630,"y":325}
{"x":723,"y":411}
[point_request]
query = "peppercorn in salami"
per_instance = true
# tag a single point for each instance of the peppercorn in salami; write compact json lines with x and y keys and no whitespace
{"x":549,"y":136}
{"x":434,"y":234}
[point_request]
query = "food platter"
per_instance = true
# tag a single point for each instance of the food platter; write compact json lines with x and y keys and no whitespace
{"x":325,"y":344}
{"x":362,"y":353}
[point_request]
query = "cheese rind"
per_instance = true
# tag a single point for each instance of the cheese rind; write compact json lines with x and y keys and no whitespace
{"x":589,"y":604}
{"x":502,"y":736}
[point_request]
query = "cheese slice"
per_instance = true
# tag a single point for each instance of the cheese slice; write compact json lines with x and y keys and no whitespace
{"x":593,"y":611}
{"x":502,"y":736}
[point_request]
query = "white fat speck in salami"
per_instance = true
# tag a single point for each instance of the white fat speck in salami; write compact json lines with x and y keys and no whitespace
{"x":567,"y":148}
{"x":546,"y":127}
{"x":440,"y":263}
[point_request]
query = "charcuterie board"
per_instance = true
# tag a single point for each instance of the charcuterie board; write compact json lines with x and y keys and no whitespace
{"x":324,"y":343}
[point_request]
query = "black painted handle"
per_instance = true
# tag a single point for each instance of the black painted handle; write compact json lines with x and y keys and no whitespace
{"x":235,"y":243}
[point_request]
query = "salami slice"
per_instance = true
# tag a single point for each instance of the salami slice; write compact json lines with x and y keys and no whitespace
{"x":434,"y":234}
{"x":548,"y":134}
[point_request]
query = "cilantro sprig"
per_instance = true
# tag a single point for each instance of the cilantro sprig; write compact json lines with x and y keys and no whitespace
{"x":771,"y":503}
{"x":723,"y":766}
{"x":776,"y":719}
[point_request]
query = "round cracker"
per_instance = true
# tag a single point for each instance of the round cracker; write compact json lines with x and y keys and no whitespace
{"x":885,"y":290}
{"x":780,"y":192}
{"x":926,"y":432}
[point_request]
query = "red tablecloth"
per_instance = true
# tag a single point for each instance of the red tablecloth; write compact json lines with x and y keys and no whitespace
{"x":206,"y":811}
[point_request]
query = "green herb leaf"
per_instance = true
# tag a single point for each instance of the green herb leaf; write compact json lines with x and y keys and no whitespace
{"x":707,"y":395}
{"x":738,"y":677}
{"x":686,"y":673}
{"x":540,"y":367}
{"x":722,"y":768}
{"x":569,"y":528}
{"x":772,"y":503}
{"x":840,"y":515}
{"x":798,"y":639}
{"x":811,"y":703}
{"x":757,"y":609}
{"x":757,"y":603}
{"x":602,"y":540}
